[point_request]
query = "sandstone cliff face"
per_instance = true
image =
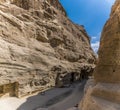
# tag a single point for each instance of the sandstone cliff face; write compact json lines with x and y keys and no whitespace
{"x":104,"y":92}
{"x":40,"y":47}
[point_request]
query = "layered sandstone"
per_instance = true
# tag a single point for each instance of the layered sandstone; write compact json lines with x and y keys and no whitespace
{"x":40,"y":47}
{"x":104,"y":92}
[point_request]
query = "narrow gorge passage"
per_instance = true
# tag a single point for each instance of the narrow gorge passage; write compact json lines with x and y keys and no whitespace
{"x":42,"y":56}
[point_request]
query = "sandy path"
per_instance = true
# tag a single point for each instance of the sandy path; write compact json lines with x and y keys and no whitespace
{"x":70,"y":101}
{"x":36,"y":101}
{"x":11,"y":103}
{"x":32,"y":102}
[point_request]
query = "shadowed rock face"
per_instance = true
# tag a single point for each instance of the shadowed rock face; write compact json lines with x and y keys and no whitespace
{"x":40,"y":46}
{"x":103,"y":93}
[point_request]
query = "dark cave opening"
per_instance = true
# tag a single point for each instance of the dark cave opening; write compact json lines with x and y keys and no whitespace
{"x":84,"y":75}
{"x":72,"y":77}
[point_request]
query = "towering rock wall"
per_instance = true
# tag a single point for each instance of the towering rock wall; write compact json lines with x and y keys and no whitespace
{"x":109,"y":52}
{"x":104,"y":91}
{"x":40,"y":47}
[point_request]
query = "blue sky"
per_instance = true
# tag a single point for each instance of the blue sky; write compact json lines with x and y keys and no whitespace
{"x":90,"y":13}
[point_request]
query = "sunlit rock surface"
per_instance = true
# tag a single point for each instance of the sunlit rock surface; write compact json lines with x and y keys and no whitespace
{"x":40,"y":47}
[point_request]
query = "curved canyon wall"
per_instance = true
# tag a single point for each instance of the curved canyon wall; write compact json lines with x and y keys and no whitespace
{"x":40,"y":47}
{"x":103,"y":92}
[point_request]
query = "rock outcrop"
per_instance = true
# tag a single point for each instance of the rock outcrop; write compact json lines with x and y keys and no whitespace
{"x":40,"y":47}
{"x":104,"y":91}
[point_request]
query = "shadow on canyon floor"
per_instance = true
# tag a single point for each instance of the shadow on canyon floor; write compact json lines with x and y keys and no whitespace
{"x":51,"y":97}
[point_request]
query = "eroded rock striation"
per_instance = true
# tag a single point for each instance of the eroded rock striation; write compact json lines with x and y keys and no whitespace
{"x":103,"y":93}
{"x":40,"y":47}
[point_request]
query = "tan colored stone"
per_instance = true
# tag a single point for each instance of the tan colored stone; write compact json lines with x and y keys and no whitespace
{"x":40,"y":47}
{"x":104,"y":92}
